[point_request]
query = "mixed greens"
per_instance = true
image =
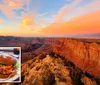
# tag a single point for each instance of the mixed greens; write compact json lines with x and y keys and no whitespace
{"x":16,"y":65}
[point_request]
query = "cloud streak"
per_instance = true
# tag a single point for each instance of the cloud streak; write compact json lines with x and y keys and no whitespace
{"x":85,"y":24}
{"x":73,"y":10}
{"x":43,"y":14}
{"x":65,"y":10}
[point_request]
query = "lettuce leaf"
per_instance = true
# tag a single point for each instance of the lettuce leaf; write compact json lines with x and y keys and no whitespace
{"x":16,"y":65}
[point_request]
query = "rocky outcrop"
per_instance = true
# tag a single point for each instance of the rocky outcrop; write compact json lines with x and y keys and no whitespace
{"x":84,"y":55}
{"x":53,"y":69}
{"x":46,"y":71}
{"x":88,"y":81}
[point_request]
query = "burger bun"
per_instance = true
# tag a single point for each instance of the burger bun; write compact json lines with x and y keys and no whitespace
{"x":7,"y":59}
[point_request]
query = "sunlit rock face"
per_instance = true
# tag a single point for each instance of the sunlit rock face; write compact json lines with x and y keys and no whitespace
{"x":84,"y":55}
{"x":45,"y":71}
{"x":58,"y":61}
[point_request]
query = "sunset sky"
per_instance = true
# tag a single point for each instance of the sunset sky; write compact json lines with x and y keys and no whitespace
{"x":49,"y":17}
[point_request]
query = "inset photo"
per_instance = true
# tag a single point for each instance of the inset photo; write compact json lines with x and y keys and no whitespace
{"x":10,"y":64}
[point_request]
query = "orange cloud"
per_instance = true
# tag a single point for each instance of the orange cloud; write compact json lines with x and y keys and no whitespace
{"x":27,"y":21}
{"x":88,"y":23}
{"x":1,"y":20}
{"x":15,"y":5}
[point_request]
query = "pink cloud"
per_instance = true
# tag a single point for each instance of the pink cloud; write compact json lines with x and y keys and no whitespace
{"x":72,"y":10}
{"x":66,"y":9}
{"x":15,"y":4}
{"x":9,"y":5}
{"x":90,"y":7}
{"x":7,"y":11}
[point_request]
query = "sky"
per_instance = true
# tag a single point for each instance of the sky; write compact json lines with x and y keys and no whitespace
{"x":49,"y":17}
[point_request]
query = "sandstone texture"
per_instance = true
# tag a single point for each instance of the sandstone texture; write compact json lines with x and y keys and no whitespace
{"x":84,"y":55}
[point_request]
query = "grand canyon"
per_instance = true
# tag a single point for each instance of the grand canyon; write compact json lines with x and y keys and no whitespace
{"x":59,"y":40}
{"x":57,"y":61}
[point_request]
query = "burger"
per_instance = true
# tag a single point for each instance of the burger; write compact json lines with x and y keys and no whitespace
{"x":7,"y":66}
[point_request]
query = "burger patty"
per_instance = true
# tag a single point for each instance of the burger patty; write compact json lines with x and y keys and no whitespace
{"x":7,"y":75}
{"x":6,"y":70}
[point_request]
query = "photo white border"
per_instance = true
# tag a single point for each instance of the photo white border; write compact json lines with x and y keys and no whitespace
{"x":19,"y":67}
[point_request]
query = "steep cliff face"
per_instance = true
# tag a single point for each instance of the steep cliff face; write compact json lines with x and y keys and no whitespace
{"x":84,"y":55}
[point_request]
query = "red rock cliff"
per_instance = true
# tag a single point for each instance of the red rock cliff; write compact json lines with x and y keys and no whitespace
{"x":84,"y":55}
